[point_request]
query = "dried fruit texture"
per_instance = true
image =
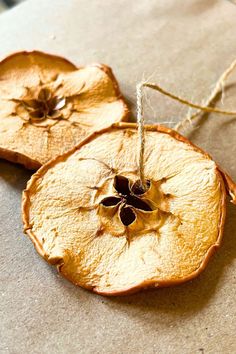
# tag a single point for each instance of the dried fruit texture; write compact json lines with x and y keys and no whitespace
{"x":87,"y":213}
{"x":47,"y":105}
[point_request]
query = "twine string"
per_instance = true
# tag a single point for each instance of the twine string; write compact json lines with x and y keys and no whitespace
{"x":219,"y":86}
{"x":200,"y":108}
{"x":141,"y":135}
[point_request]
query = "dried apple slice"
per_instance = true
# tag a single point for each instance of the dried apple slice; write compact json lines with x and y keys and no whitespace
{"x":48,"y":105}
{"x":86,"y":212}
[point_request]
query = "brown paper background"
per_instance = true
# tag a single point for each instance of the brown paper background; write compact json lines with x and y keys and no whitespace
{"x":184,"y":46}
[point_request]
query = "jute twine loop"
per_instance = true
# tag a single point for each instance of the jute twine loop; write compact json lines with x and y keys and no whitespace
{"x":205,"y":108}
{"x":141,"y":136}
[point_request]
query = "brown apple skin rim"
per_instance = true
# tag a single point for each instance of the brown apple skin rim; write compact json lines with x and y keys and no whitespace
{"x":226,"y":185}
{"x":27,"y":162}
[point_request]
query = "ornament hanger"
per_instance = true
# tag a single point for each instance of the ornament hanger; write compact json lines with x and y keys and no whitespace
{"x":205,"y":108}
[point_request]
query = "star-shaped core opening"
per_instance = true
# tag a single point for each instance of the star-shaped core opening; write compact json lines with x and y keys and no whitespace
{"x":46,"y":105}
{"x":128,"y":198}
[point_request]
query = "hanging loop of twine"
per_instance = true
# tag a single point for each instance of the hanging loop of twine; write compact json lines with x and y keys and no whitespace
{"x":141,"y":136}
{"x":205,"y":108}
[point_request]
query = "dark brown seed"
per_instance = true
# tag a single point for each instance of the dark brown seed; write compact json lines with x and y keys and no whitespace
{"x":121,"y":185}
{"x":138,"y":189}
{"x":37,"y":114}
{"x":110,"y":201}
{"x":138,"y":203}
{"x":127,"y":216}
{"x":55,"y":114}
{"x":32,"y":104}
